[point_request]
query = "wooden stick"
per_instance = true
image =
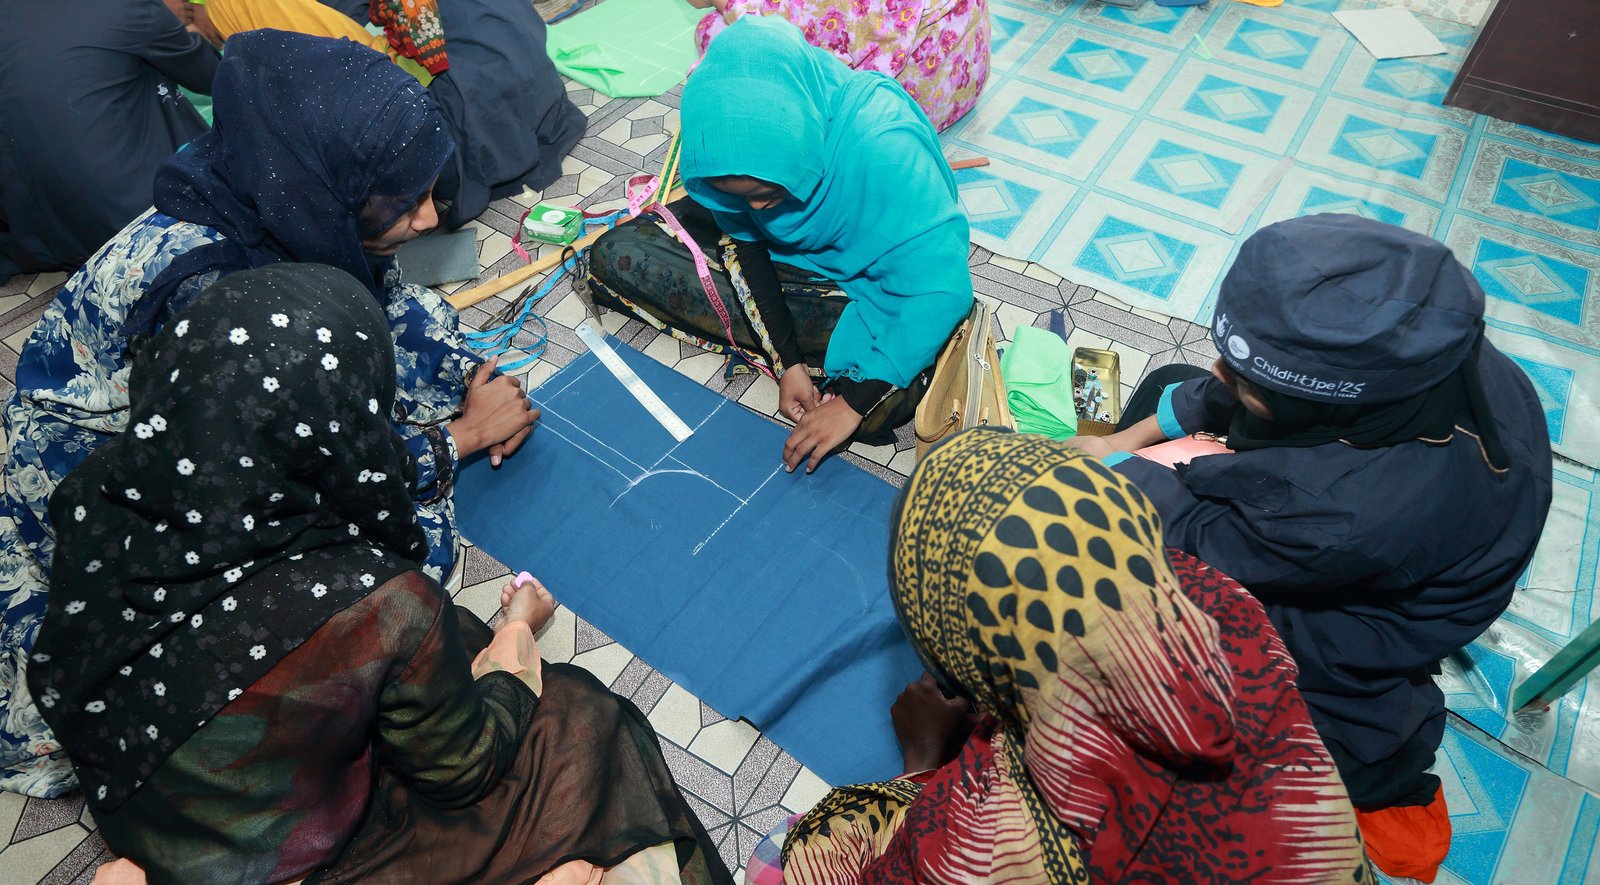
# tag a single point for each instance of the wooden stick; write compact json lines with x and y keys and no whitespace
{"x":669,"y":163}
{"x":488,"y":289}
{"x":468,"y":297}
{"x":972,"y":163}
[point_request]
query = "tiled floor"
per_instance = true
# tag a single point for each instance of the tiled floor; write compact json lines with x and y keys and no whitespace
{"x":739,"y":782}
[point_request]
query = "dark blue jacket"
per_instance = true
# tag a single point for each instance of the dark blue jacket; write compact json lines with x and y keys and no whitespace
{"x":1373,"y":563}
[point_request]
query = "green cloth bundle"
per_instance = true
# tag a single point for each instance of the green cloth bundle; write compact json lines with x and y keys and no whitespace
{"x":1037,"y":369}
{"x":627,"y":48}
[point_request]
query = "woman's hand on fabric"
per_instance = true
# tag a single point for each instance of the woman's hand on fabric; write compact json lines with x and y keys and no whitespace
{"x":797,"y":393}
{"x":930,"y":726}
{"x":818,"y":433}
{"x":530,"y":603}
{"x":495,"y":415}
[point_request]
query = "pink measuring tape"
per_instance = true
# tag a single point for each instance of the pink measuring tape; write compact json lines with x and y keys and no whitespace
{"x":642,"y":190}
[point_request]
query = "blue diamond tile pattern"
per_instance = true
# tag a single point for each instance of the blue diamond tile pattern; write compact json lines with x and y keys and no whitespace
{"x":1143,"y":259}
{"x":1175,"y":133}
{"x":1235,"y":104}
{"x":1099,"y":64}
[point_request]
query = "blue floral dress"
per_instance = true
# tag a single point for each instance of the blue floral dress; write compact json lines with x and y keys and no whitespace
{"x":72,"y":394}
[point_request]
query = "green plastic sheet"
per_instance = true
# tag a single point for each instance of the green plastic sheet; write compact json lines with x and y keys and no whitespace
{"x":627,"y":48}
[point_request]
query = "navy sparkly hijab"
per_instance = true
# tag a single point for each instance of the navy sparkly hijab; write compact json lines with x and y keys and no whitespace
{"x":260,"y":490}
{"x":317,"y":143}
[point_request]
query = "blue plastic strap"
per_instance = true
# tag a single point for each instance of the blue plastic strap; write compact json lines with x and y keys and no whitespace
{"x":498,"y":340}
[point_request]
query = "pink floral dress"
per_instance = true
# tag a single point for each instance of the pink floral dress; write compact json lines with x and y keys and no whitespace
{"x":937,"y":49}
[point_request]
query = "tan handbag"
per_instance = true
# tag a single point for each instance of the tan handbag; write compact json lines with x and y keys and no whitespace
{"x":966,"y":389}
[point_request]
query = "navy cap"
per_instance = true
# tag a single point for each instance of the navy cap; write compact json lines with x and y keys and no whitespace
{"x":1344,"y":309}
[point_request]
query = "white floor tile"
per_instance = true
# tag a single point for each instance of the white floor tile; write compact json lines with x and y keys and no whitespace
{"x":482,"y":599}
{"x":725,"y":744}
{"x":559,"y":638}
{"x":903,"y":462}
{"x":11,"y":807}
{"x":46,"y":281}
{"x":592,"y":180}
{"x":569,"y":311}
{"x":875,"y":454}
{"x":493,"y":248}
{"x":605,"y":662}
{"x":1043,"y":275}
{"x":1103,"y":298}
{"x":663,"y":350}
{"x":538,"y":373}
{"x":30,"y":859}
{"x":1014,"y":265}
{"x":18,"y":338}
{"x":527,"y":199}
{"x":702,"y":366}
{"x":1013,"y":317}
{"x":619,"y":132}
{"x":806,"y":791}
{"x":647,"y":109}
{"x":676,"y":716}
{"x":762,"y":396}
{"x":644,"y":144}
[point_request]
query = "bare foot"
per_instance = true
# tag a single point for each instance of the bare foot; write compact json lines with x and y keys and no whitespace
{"x":531,"y":603}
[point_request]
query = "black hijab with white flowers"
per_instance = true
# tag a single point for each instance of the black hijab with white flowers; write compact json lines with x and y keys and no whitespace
{"x":260,"y":490}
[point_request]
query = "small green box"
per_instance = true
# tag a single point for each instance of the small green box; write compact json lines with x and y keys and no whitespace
{"x":557,"y":225}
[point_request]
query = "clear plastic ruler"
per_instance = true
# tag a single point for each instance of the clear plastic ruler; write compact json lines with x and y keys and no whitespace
{"x":631,"y":380}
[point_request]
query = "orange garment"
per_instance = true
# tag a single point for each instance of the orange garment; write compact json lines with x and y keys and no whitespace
{"x":304,"y":17}
{"x":1408,"y":842}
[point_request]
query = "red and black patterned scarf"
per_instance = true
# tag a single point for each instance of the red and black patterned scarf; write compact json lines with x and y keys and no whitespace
{"x":1142,"y":721}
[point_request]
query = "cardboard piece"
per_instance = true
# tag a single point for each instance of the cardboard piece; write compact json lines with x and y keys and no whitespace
{"x":1390,"y":33}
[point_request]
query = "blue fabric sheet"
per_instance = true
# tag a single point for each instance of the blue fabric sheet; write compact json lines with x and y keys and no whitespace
{"x":762,"y":592}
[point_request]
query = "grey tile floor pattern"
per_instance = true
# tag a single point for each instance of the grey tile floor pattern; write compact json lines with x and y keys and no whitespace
{"x":738,"y":781}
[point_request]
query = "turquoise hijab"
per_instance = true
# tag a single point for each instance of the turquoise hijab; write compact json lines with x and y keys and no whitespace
{"x":872,"y":205}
